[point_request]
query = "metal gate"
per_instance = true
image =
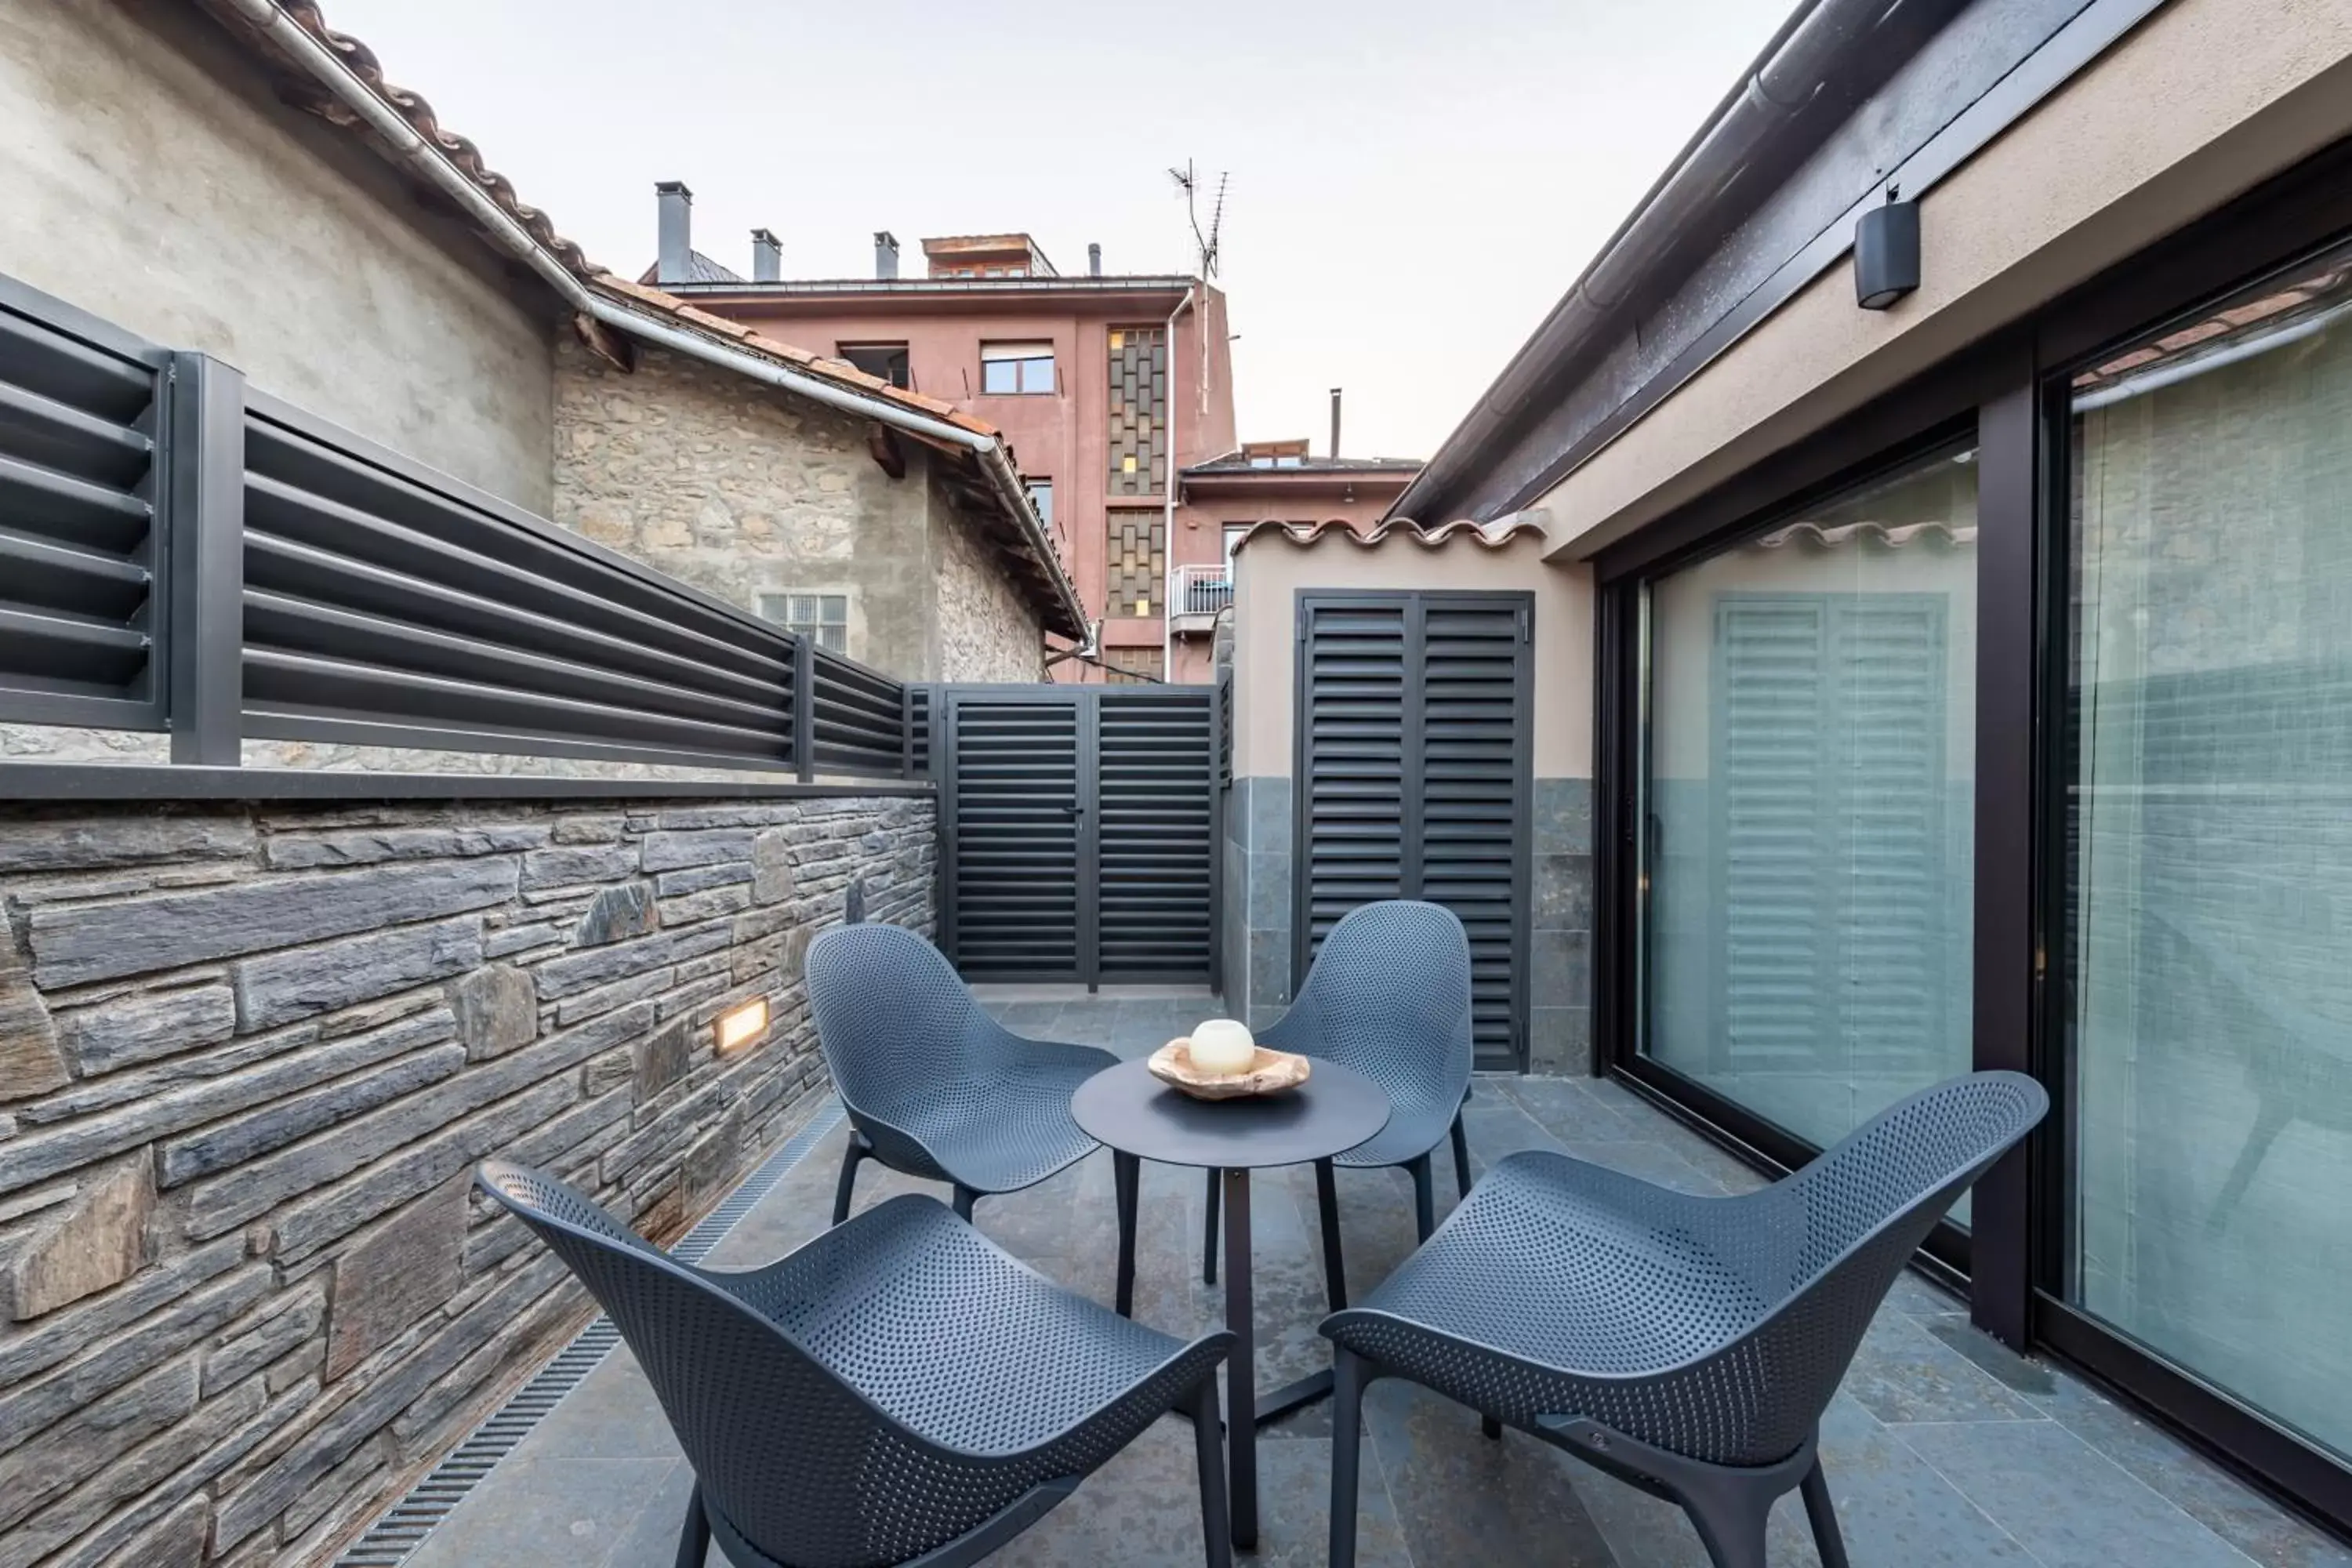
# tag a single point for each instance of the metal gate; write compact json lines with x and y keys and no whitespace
{"x":1080,"y":832}
{"x":1413,"y":719}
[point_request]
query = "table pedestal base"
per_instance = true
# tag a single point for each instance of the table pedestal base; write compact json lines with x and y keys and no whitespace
{"x":1276,"y":1403}
{"x":1241,"y":1367}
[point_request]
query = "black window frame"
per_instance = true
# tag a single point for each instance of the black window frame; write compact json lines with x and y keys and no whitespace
{"x":2011,"y":389}
{"x":892,"y":356}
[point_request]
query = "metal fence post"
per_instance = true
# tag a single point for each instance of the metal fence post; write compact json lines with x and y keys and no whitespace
{"x":906,"y":731}
{"x":206,"y":560}
{"x":805,"y":706}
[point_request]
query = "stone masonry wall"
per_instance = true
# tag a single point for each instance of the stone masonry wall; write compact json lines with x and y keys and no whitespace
{"x":741,"y":490}
{"x":248,"y":1057}
{"x":987,"y":631}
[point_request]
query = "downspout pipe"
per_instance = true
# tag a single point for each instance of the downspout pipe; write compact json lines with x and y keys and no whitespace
{"x":330,"y":72}
{"x":1168,"y":501}
{"x":1795,"y":66}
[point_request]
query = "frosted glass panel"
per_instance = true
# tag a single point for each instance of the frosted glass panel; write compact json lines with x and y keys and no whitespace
{"x":1810,"y":808}
{"x":2209,"y":846}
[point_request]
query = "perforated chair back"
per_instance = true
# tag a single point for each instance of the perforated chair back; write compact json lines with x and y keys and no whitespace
{"x":896,"y":1385}
{"x":777,"y":1442}
{"x":1388,"y":996}
{"x":1714,"y":1328}
{"x":897,"y":1024}
{"x":1825,"y":1245}
{"x":936,"y":1086}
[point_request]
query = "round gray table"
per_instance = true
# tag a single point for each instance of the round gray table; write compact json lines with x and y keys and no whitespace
{"x":1138,"y":1118}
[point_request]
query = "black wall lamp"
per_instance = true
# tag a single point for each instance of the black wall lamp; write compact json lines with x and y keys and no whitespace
{"x":1886,"y":252}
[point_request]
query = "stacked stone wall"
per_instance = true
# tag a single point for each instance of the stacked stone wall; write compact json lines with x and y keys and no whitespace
{"x":249,"y":1056}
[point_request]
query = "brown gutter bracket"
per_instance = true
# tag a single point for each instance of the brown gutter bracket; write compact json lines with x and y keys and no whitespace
{"x":614,"y":349}
{"x":882,"y":444}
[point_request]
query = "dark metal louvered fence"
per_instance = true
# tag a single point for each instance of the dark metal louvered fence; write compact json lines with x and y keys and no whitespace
{"x":180,"y":552}
{"x":82,"y":414}
{"x":1080,"y":831}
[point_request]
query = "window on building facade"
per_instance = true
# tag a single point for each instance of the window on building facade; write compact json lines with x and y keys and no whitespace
{"x":1012,"y":370}
{"x":887,"y":361}
{"x":1041,"y":496}
{"x":1139,"y":409}
{"x":1137,"y":562}
{"x":823,"y":618}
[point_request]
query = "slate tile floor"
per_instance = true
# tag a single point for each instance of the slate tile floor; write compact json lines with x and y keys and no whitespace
{"x":1943,"y":1448}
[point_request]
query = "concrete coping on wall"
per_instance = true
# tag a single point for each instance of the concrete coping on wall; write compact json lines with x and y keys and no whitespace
{"x":70,"y":782}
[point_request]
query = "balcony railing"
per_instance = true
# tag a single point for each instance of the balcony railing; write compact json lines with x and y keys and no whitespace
{"x":1196,"y":593}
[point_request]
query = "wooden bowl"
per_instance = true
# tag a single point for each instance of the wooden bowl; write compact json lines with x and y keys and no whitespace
{"x":1271,"y":1073}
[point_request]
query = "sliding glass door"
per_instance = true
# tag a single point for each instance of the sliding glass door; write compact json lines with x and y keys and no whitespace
{"x":1824,"y":888}
{"x":1807,"y":840}
{"x":2207,"y":772}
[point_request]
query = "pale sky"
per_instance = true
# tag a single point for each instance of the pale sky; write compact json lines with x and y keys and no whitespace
{"x":1412,"y":184}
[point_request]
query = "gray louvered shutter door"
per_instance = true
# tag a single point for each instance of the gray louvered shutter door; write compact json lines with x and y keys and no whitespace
{"x":1352,"y":778}
{"x":78,"y":535}
{"x":1886,"y":656}
{"x":1774,"y":944}
{"x":1413,"y":778}
{"x":1156,"y":761}
{"x":1015,"y":895}
{"x":1474,"y":784}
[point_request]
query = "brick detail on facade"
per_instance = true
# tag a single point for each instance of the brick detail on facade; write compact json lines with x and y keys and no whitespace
{"x":1139,"y":410}
{"x":246,"y":1288}
{"x":1137,"y":568}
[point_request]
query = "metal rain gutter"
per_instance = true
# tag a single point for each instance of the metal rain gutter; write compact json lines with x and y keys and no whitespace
{"x":330,"y":72}
{"x":1792,"y":68}
{"x":1170,"y":480}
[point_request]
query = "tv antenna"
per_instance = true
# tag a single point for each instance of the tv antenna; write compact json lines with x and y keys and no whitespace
{"x":1205,"y":244}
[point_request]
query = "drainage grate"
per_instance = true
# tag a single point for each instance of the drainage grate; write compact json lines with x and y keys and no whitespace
{"x":403,"y":1526}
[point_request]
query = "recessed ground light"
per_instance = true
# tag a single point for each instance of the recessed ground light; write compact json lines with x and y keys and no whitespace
{"x":743,"y":1024}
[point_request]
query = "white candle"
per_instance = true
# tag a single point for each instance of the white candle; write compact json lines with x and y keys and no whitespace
{"x":1222,"y":1047}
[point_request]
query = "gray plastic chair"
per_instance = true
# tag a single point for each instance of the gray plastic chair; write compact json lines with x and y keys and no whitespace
{"x":897,"y":1390}
{"x":1685,"y":1344}
{"x":1388,"y":996}
{"x":937,"y":1089}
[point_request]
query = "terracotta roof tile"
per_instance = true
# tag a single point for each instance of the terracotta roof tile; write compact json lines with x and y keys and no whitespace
{"x":1492,"y":535}
{"x":1894,"y":536}
{"x":411,"y":107}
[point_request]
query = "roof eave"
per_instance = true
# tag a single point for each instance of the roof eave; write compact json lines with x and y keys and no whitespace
{"x":1820,"y":43}
{"x":294,"y":33}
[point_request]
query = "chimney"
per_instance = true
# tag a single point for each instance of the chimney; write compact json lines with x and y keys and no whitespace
{"x":1335,"y":422}
{"x":767,"y":257}
{"x":1094,"y":260}
{"x":676,"y":203}
{"x":886,"y":254}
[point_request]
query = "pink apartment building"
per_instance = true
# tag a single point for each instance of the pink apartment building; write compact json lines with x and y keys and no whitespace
{"x":1103,"y":383}
{"x":1264,"y":481}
